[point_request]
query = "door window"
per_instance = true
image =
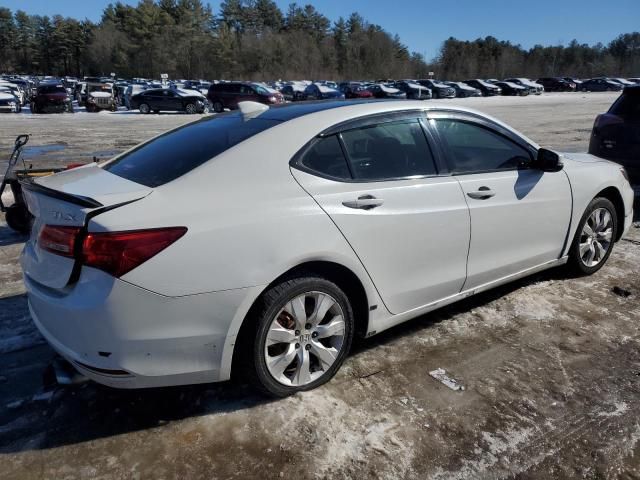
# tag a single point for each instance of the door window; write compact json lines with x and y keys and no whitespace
{"x":475,"y":149}
{"x":389,"y":151}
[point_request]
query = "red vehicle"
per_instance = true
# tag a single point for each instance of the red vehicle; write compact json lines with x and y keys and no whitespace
{"x":229,"y":94}
{"x":354,"y":90}
{"x":51,"y":98}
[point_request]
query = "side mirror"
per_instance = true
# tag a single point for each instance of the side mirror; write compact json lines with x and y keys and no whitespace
{"x":548,"y":161}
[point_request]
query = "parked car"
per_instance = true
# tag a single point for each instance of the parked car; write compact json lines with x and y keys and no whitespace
{"x":616,"y":134}
{"x":556,"y":84}
{"x":534,"y":87}
{"x":463,"y":90}
{"x":169,"y":100}
{"x":318,"y":91}
{"x":14,"y":90}
{"x":354,"y":90}
{"x":512,"y":89}
{"x":413,"y":90}
{"x":634,"y":80}
{"x":438,"y":89}
{"x":224,"y":244}
{"x":293,"y":93}
{"x":100,"y":96}
{"x":600,"y":85}
{"x":380,"y":90}
{"x":229,"y":94}
{"x":487,"y":89}
{"x":8,"y":101}
{"x":51,"y":98}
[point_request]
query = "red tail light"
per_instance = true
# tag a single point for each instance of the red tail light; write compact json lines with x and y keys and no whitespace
{"x":120,"y":252}
{"x":114,"y":252}
{"x":59,"y":240}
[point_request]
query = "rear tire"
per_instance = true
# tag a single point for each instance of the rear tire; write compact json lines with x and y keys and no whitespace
{"x":18,"y":218}
{"x":285,"y":352}
{"x":144,"y":108}
{"x":217,"y":107}
{"x":594,"y":238}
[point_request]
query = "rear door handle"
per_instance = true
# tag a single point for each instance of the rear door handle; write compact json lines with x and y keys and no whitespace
{"x":482,"y":193}
{"x":364,"y":202}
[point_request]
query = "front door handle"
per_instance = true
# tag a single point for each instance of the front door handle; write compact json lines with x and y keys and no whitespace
{"x":364,"y":202}
{"x":482,"y":193}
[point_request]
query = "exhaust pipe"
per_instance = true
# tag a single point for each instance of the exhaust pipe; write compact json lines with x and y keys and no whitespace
{"x":65,"y":373}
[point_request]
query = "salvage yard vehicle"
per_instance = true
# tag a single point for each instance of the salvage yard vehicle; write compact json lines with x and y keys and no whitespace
{"x":600,"y":85}
{"x":556,"y":84}
{"x":51,"y":98}
{"x":414,"y":90}
{"x":354,"y":90}
{"x":487,"y":89}
{"x":463,"y":90}
{"x":381,"y":90}
{"x":438,"y":89}
{"x":169,"y":100}
{"x":533,"y":87}
{"x":616,"y":134}
{"x":229,"y":94}
{"x":8,"y":101}
{"x":264,"y":240}
{"x":509,"y":88}
{"x":101,"y":96}
{"x":318,"y":91}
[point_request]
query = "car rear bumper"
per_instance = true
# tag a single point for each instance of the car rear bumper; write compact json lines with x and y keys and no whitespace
{"x":124,"y":336}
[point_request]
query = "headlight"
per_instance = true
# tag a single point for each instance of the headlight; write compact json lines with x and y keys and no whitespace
{"x":91,"y":100}
{"x":12,"y":104}
{"x":272,"y":99}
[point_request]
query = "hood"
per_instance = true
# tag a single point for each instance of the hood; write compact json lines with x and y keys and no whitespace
{"x":100,"y":94}
{"x":582,"y":157}
{"x":384,"y":88}
{"x":6,"y":96}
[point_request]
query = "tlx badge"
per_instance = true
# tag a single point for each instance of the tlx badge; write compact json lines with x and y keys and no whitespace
{"x":62,"y":216}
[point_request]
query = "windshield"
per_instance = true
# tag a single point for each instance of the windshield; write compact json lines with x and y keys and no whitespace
{"x":262,"y":90}
{"x":51,"y":89}
{"x":179,"y":151}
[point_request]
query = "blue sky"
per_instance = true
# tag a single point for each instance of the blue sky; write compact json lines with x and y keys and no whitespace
{"x":424,"y":25}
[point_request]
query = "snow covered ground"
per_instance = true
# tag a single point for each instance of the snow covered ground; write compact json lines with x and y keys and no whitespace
{"x":550,"y":366}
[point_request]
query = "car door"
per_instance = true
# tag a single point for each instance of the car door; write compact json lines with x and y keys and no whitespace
{"x":408,"y":224}
{"x":519,"y":214}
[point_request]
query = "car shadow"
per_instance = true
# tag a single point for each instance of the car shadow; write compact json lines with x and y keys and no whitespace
{"x":89,"y":411}
{"x":10,"y":237}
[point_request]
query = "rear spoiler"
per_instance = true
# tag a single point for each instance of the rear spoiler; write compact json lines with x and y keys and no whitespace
{"x":29,"y":184}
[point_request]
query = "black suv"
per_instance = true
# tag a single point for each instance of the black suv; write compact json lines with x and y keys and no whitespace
{"x":229,"y":94}
{"x":616,"y":134}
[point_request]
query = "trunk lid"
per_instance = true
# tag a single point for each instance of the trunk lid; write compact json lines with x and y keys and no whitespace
{"x":68,"y":199}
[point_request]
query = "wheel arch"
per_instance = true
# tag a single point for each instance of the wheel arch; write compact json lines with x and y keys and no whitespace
{"x":339,"y":274}
{"x":614,"y":196}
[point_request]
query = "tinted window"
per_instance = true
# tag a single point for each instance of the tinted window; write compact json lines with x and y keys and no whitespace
{"x":628,"y":105}
{"x":180,"y":151}
{"x":325,"y":157}
{"x":51,"y":89}
{"x":389,"y":150}
{"x":473,"y":148}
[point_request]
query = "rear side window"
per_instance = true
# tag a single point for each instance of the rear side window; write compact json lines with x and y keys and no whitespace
{"x":388,"y":151}
{"x":325,"y":156}
{"x":179,"y":151}
{"x":475,"y":149}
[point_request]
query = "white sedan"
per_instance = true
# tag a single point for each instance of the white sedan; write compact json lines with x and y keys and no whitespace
{"x":261,"y":241}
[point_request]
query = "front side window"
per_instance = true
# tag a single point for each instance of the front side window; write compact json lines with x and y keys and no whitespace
{"x":388,"y":151}
{"x":473,"y":148}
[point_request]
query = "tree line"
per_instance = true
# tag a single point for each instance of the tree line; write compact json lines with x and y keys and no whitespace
{"x":256,"y":40}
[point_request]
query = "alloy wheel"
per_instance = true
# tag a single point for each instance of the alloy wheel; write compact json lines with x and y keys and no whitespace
{"x":596,"y":237}
{"x":304,"y":339}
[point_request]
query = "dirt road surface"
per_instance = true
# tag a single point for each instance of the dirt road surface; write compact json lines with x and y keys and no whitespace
{"x":550,"y":366}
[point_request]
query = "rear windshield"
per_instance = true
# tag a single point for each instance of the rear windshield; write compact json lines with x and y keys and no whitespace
{"x":179,"y":151}
{"x":627,"y":105}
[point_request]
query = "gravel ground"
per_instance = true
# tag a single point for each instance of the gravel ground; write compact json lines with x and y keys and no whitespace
{"x":550,"y":365}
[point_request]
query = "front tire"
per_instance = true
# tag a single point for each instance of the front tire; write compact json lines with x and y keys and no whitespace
{"x":144,"y":108}
{"x":304,"y":329}
{"x":594,"y":238}
{"x":218,"y":107}
{"x":191,"y":108}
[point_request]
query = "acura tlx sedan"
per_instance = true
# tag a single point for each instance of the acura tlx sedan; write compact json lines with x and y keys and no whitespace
{"x":263,"y":240}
